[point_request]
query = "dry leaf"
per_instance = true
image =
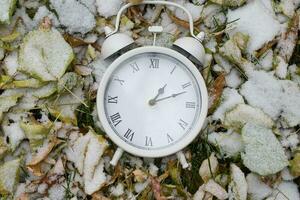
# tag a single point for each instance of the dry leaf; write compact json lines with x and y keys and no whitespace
{"x":215,"y":92}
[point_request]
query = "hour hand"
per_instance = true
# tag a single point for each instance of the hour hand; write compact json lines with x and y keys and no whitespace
{"x":159,"y":92}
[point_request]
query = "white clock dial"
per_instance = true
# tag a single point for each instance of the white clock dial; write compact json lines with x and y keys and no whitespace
{"x":152,"y":101}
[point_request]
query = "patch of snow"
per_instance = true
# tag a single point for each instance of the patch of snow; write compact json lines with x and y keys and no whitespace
{"x":117,"y":190}
{"x":286,"y":190}
{"x":44,"y":12}
{"x":263,"y":152}
{"x":195,"y":10}
{"x":230,"y":143}
{"x":281,"y":68}
{"x":262,"y":26}
{"x":11,"y":64}
{"x":230,"y":98}
{"x":110,"y":9}
{"x":243,"y":113}
{"x":233,"y":79}
{"x":75,"y":16}
{"x":266,"y":60}
{"x":264,"y":91}
{"x":257,"y":189}
{"x":237,"y":188}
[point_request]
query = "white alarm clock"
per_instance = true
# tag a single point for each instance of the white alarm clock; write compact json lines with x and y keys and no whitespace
{"x":152,"y":101}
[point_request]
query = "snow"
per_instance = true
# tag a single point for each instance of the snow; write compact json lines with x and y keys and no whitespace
{"x":57,"y":192}
{"x":153,"y":169}
{"x":264,"y":91}
{"x":117,"y":190}
{"x":195,"y":10}
{"x":262,"y":26}
{"x":237,"y":188}
{"x":281,"y":68}
{"x":286,"y":190}
{"x":266,"y":61}
{"x":233,"y":79}
{"x":257,"y":189}
{"x":74,"y":15}
{"x":263,"y":152}
{"x":11,"y":63}
{"x":44,"y":12}
{"x":15,"y":134}
{"x":242,"y":113}
{"x":230,"y":143}
{"x":108,"y":9}
{"x":44,"y":54}
{"x":230,"y":98}
{"x":9,"y":172}
{"x":6,"y":9}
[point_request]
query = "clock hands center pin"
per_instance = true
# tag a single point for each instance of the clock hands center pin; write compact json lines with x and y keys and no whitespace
{"x":159,"y":92}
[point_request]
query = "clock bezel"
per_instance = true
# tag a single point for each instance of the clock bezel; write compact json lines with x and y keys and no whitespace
{"x":171,"y":149}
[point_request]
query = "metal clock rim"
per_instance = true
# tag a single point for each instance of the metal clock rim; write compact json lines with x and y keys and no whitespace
{"x":156,"y":152}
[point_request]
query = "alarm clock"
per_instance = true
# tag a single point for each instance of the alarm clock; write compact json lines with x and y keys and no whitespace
{"x":152,"y":101}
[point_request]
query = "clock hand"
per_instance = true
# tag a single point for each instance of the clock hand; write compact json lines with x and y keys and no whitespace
{"x":159,"y":92}
{"x":171,"y":96}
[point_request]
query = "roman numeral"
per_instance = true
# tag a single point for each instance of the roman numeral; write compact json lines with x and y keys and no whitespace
{"x":182,"y":124}
{"x":148,"y":141}
{"x":135,"y":67}
{"x":112,"y":99}
{"x":119,"y":80}
{"x":129,"y":134}
{"x":190,"y":104}
{"x":170,"y":139}
{"x":173,"y":69}
{"x":154,"y":63}
{"x":186,"y":85}
{"x":116,"y":119}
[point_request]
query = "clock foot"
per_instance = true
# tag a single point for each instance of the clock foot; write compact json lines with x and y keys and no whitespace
{"x":116,"y":157}
{"x":182,"y":159}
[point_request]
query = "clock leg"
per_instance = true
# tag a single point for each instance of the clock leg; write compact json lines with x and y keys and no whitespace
{"x":182,"y":159}
{"x":116,"y":157}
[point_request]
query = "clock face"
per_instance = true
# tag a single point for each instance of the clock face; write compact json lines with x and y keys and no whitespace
{"x":152,"y":101}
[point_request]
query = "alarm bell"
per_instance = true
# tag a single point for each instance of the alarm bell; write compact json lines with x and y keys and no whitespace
{"x":115,"y":42}
{"x":192,"y":48}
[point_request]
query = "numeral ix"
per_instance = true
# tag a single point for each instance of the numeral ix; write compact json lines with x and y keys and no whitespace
{"x":112,"y":99}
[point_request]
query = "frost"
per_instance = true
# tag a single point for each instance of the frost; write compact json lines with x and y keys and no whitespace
{"x":237,"y":188}
{"x":262,"y":26}
{"x":257,"y":189}
{"x":230,"y":143}
{"x":75,"y":16}
{"x":242,"y":113}
{"x":264,"y":91}
{"x":110,"y":9}
{"x":263,"y":152}
{"x":195,"y":10}
{"x":6,"y":10}
{"x":230,"y":98}
{"x":45,"y":55}
{"x":9,"y":173}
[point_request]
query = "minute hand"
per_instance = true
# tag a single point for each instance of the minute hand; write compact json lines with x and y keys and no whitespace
{"x":171,"y":96}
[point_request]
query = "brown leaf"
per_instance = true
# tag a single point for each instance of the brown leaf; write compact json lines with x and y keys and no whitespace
{"x":135,"y":1}
{"x":98,"y":196}
{"x":73,"y":41}
{"x":181,"y":22}
{"x":215,"y":92}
